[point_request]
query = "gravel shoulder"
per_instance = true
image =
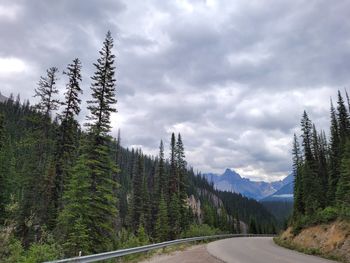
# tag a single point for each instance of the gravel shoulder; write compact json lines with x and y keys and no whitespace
{"x":194,"y":254}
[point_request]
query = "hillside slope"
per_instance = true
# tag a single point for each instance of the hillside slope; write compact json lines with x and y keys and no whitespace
{"x":330,"y":240}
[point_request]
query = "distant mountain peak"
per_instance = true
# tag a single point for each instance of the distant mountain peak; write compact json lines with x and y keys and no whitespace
{"x":231,"y":173}
{"x":231,"y":181}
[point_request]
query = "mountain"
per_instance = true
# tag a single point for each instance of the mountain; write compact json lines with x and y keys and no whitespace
{"x":283,"y":194}
{"x":233,"y":182}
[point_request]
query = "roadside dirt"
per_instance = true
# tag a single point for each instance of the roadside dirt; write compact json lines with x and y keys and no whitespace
{"x":195,"y":254}
{"x":330,"y":239}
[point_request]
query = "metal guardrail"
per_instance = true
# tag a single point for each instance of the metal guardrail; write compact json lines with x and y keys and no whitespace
{"x":134,"y":250}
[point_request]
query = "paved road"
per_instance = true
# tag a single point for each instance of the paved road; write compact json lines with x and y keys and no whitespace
{"x":257,"y":250}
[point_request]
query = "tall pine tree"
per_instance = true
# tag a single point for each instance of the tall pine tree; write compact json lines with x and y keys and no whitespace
{"x":46,"y":92}
{"x":101,"y":165}
{"x":67,"y":141}
{"x":298,"y":183}
{"x":334,"y":156}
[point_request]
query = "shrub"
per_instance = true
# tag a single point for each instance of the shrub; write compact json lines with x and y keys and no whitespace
{"x":11,"y":250}
{"x":200,"y":230}
{"x":42,"y":252}
{"x":328,"y":214}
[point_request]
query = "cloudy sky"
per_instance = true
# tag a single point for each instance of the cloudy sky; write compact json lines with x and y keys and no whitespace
{"x":232,"y":76}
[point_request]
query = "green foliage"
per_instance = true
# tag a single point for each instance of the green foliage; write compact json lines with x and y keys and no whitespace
{"x":58,"y":180}
{"x":162,"y":223}
{"x":327,"y":215}
{"x":174,"y":217}
{"x":343,"y":189}
{"x":103,"y":90}
{"x":74,"y":219}
{"x":195,"y":230}
{"x":11,"y":250}
{"x":322,"y":177}
{"x":42,"y":252}
{"x":253,"y":228}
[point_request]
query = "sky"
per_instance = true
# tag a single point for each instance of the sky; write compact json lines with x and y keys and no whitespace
{"x":233,"y":77}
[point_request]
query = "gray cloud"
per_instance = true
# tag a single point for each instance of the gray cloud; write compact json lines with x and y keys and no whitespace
{"x":232,"y":77}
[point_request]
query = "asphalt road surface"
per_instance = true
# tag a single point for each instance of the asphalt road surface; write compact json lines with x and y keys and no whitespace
{"x":257,"y":250}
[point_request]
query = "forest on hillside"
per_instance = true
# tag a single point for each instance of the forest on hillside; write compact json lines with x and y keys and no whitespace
{"x":322,"y":169}
{"x":65,"y":188}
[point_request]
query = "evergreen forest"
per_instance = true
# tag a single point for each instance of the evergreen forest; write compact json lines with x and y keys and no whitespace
{"x":68,"y":187}
{"x":322,"y":169}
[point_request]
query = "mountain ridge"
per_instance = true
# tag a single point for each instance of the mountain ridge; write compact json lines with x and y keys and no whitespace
{"x":231,"y":181}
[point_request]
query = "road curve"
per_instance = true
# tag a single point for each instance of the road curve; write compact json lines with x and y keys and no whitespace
{"x":257,"y":250}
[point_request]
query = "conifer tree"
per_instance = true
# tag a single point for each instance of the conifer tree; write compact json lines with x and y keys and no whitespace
{"x":67,"y":142}
{"x":137,"y":191}
{"x":309,"y":170}
{"x":298,"y":184}
{"x":253,"y":228}
{"x":46,"y":91}
{"x":100,"y":162}
{"x":306,"y":127}
{"x":320,"y":167}
{"x":2,"y":132}
{"x":103,"y":90}
{"x":323,"y":168}
{"x":334,"y":156}
{"x":73,"y":90}
{"x":74,"y":220}
{"x":2,"y":174}
{"x":146,"y":206}
{"x":343,"y":189}
{"x":161,"y":174}
{"x":181,"y":167}
{"x":173,"y":177}
{"x":174,"y":216}
{"x":343,"y":121}
{"x":162,"y":223}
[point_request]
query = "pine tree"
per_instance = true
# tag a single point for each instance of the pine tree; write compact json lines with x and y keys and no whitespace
{"x":173,"y":177}
{"x":100,"y":162}
{"x":182,"y":172}
{"x":320,"y":166}
{"x":46,"y":91}
{"x":298,"y":184}
{"x":146,"y":206}
{"x":74,"y":220}
{"x":67,"y":142}
{"x":2,"y":174}
{"x":343,"y":189}
{"x":162,"y":223}
{"x":306,"y":127}
{"x":73,"y":89}
{"x":161,"y":173}
{"x":334,"y":156}
{"x":2,"y":132}
{"x":343,"y":121}
{"x":137,"y":191}
{"x":103,"y":90}
{"x":253,"y":228}
{"x":174,"y":216}
{"x":323,"y":168}
{"x":309,"y":170}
